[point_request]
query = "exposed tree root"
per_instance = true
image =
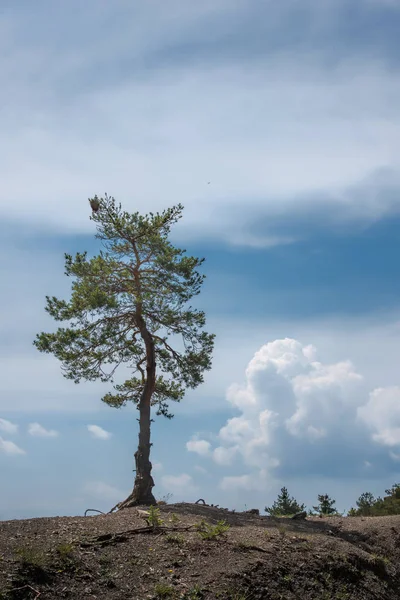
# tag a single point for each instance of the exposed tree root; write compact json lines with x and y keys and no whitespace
{"x":94,"y":510}
{"x":114,"y":538}
{"x":132,"y":501}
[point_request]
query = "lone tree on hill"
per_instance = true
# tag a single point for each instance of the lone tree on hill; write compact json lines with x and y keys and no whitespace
{"x":284,"y":505}
{"x":326,"y":505}
{"x":125,"y":304}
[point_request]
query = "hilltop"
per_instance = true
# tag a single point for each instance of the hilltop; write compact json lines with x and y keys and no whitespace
{"x":192,"y":556}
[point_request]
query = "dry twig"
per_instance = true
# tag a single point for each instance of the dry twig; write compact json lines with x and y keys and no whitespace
{"x":30,"y":587}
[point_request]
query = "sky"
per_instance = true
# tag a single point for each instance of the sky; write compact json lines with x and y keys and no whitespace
{"x":276,"y":125}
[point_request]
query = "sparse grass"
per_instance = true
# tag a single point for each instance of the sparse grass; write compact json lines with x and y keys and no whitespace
{"x":379,"y":559}
{"x":269,"y":533}
{"x":212,"y":532}
{"x":241,"y":545}
{"x":65,"y":551}
{"x":175,"y":538}
{"x":282,"y":530}
{"x":164,"y":500}
{"x":174,"y":519}
{"x":31,"y":556}
{"x":195,"y":593}
{"x":163,"y":590}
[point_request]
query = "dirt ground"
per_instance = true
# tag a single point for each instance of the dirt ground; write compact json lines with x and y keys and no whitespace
{"x":118,"y":556}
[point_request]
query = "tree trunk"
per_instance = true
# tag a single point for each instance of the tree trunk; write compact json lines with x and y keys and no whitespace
{"x":142,"y":490}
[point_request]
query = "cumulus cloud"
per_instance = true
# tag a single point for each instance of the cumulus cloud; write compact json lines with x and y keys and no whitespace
{"x":37,"y":430}
{"x":201,"y":447}
{"x":98,"y":432}
{"x":10,"y":448}
{"x":178,"y":484}
{"x":8,"y":427}
{"x":381,"y":414}
{"x":157,"y":466}
{"x":297,"y":414}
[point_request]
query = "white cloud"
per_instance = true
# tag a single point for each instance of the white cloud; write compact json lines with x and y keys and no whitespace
{"x":98,"y":432}
{"x":178,"y":484}
{"x":201,"y":447}
{"x":248,"y":482}
{"x":225,"y":456}
{"x":157,"y":466}
{"x":8,"y":427}
{"x":37,"y":430}
{"x":295,"y":409}
{"x":382,"y":415}
{"x":10,"y":448}
{"x":104,"y":491}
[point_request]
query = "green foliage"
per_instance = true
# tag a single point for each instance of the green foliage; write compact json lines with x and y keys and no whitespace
{"x":367,"y":505}
{"x":162,"y":590}
{"x":138,"y":282}
{"x":31,"y":556}
{"x":212,"y":532}
{"x":174,"y":518}
{"x":154,"y":519}
{"x":65,"y":551}
{"x":284,"y":505}
{"x":326,"y":505}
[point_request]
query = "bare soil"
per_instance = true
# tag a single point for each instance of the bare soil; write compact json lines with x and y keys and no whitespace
{"x":118,"y":556}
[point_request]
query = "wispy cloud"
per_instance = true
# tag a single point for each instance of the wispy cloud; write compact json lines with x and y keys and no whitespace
{"x":37,"y":430}
{"x":10,"y":448}
{"x":291,"y":121}
{"x":98,"y":432}
{"x":8,"y":427}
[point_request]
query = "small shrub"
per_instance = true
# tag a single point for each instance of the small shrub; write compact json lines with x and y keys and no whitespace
{"x":282,"y":530}
{"x":154,"y":519}
{"x":212,"y":532}
{"x":175,"y":538}
{"x":243,"y":545}
{"x":65,"y":551}
{"x":162,"y":590}
{"x":174,"y":518}
{"x":164,"y":500}
{"x":31,"y":556}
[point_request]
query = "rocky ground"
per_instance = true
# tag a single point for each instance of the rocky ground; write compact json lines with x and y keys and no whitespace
{"x":189,"y":556}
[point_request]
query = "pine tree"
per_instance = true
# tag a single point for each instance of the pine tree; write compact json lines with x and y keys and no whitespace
{"x":126,"y":304}
{"x":284,"y":505}
{"x":326,"y":506}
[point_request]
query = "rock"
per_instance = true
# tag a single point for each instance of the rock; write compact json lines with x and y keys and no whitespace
{"x":301,"y":516}
{"x":253,"y":511}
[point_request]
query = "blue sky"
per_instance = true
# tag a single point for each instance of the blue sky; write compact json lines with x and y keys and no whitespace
{"x":290,"y":111}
